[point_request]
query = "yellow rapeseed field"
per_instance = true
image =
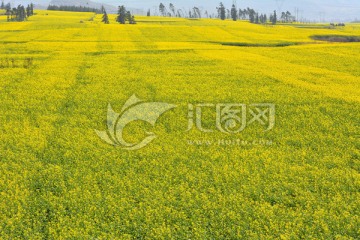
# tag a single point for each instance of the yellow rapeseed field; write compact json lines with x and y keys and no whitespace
{"x":59,"y":180}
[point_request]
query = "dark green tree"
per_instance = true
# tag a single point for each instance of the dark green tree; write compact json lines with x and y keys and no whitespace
{"x":121,"y":18}
{"x":289,"y":17}
{"x":162,"y":9}
{"x":196,"y":12}
{"x":234,"y":14}
{"x":31,"y":9}
{"x":148,"y":13}
{"x":252,"y":16}
{"x":283,"y":17}
{"x":105,"y":18}
{"x":2,"y":5}
{"x":172,"y":9}
{"x":28,"y":11}
{"x":128,"y":16}
{"x":13,"y":14}
{"x":132,"y":20}
{"x":21,"y":13}
{"x":221,"y":11}
{"x":274,"y":18}
{"x":262,"y":18}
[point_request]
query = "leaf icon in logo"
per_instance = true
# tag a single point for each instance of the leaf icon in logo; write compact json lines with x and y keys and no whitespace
{"x":133,"y":110}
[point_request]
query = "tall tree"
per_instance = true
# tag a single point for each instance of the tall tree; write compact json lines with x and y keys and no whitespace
{"x":20,"y":13}
{"x":2,"y":4}
{"x":289,"y":17}
{"x":172,"y":9}
{"x":252,"y":16}
{"x":131,"y":18}
{"x":206,"y":14}
{"x":32,"y":9}
{"x":28,"y":11}
{"x":148,"y":13}
{"x":274,"y":18}
{"x":257,"y":18}
{"x":121,"y":18}
{"x":197,"y":12}
{"x":105,"y":18}
{"x":283,"y":17}
{"x":8,"y":14}
{"x":234,"y":14}
{"x":162,"y":9}
{"x":221,"y":11}
{"x":13,"y":14}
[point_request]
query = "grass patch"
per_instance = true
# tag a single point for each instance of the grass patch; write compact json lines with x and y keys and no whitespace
{"x":242,"y":44}
{"x":314,"y":26}
{"x":336,"y":38}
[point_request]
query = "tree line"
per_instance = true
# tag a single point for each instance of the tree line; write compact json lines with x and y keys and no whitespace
{"x":172,"y":11}
{"x":225,"y":13}
{"x":122,"y":17}
{"x":125,"y":16}
{"x":253,"y":16}
{"x":19,"y":13}
{"x":73,"y":8}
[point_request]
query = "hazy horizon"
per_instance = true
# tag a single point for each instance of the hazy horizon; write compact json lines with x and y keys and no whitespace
{"x":331,"y":10}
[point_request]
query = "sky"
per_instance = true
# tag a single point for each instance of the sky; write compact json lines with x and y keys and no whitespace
{"x":327,"y":10}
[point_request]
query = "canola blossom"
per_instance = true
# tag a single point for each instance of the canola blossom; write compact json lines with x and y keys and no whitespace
{"x":59,"y":180}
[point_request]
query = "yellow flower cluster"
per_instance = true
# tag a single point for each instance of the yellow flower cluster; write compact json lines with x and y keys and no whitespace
{"x":58,"y":180}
